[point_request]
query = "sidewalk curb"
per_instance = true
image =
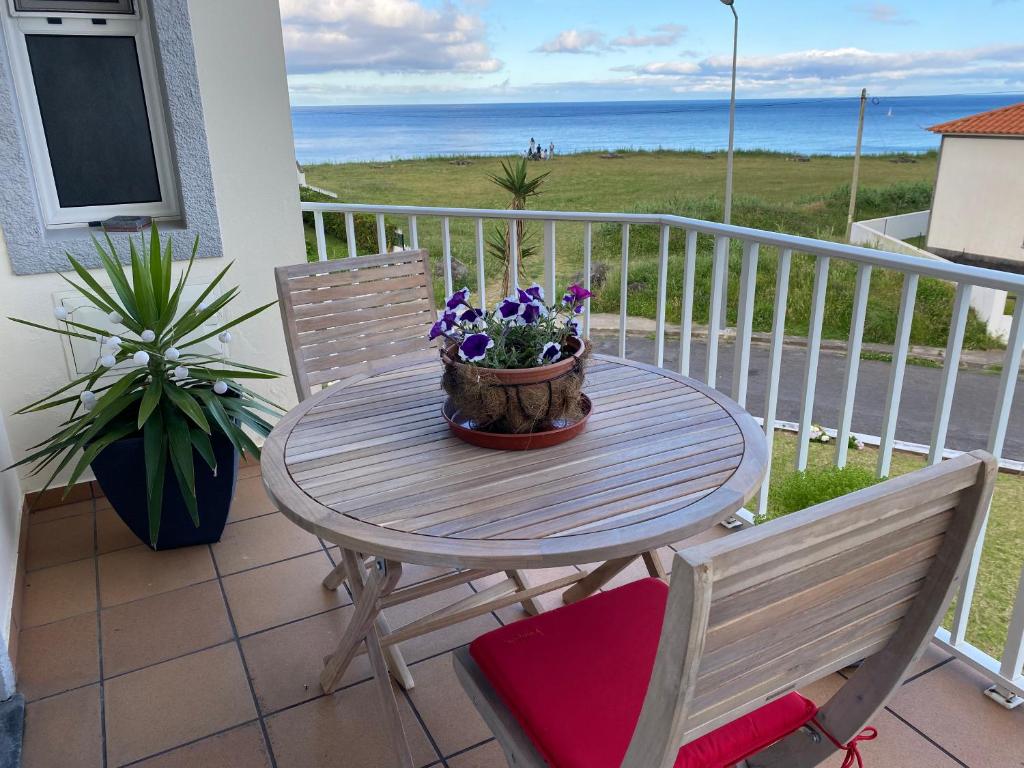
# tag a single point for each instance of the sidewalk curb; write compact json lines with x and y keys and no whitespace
{"x":988,"y":361}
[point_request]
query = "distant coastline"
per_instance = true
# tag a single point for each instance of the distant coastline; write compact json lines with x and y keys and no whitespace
{"x":825,"y":126}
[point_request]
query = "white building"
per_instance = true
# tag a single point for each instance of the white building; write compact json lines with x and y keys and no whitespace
{"x":977,"y":214}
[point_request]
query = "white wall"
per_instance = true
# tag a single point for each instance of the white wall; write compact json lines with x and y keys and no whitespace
{"x":979,"y":197}
{"x":240,"y":60}
{"x":10,"y":530}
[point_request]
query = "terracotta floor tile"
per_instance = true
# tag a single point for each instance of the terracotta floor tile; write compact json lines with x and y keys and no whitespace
{"x":59,"y":656}
{"x":163,"y":626}
{"x":442,"y":640}
{"x":249,"y":467}
{"x":274,"y":594}
{"x":178,"y":701}
{"x":111,"y":532}
{"x":548,"y":602}
{"x":487,"y":756}
{"x":285,"y":662}
{"x":64,"y":731}
{"x":637,"y":570}
{"x":259,"y":541}
{"x":449,"y":715}
{"x":898,"y":746}
{"x":241,"y":747}
{"x":343,"y":731}
{"x":52,"y":594}
{"x":59,"y":541}
{"x":250,"y":500}
{"x":131,"y":574}
{"x":947,"y":705}
{"x":99,"y":499}
{"x":37,"y":516}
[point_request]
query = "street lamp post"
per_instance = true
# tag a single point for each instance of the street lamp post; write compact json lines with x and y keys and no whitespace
{"x":727,"y":217}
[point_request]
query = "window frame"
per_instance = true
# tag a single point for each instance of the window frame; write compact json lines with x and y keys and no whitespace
{"x":136,"y":25}
{"x":114,"y":8}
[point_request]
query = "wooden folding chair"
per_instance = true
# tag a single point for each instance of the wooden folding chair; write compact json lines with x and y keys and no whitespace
{"x":358,"y":316}
{"x":747,"y":620}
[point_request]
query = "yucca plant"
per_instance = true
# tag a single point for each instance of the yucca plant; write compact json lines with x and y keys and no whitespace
{"x":170,"y":394}
{"x":514,"y":179}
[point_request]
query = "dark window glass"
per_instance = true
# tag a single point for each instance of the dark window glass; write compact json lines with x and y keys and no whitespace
{"x":94,"y":116}
{"x":75,"y":6}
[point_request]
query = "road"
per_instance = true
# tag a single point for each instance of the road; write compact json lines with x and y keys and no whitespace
{"x":973,"y":400}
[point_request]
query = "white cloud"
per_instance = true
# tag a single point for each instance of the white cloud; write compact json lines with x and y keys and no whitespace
{"x":574,"y":41}
{"x":384,"y":36}
{"x":664,"y":34}
{"x":883,"y":13}
{"x":844,"y":67}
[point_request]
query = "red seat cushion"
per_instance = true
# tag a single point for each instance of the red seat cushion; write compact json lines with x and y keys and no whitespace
{"x":575,"y":679}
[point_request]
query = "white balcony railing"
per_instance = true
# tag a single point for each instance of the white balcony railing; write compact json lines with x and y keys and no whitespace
{"x":1006,"y":672}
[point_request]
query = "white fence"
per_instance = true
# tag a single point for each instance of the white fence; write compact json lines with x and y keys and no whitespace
{"x":890,"y":234}
{"x":1006,"y":671}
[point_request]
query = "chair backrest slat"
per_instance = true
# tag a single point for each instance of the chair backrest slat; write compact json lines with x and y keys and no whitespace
{"x":865,"y":576}
{"x":364,"y":314}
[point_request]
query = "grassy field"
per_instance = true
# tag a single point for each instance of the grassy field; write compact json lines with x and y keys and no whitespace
{"x":1000,"y":563}
{"x":805,"y":196}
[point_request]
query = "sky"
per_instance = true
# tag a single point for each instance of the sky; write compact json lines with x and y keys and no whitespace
{"x":471,"y":51}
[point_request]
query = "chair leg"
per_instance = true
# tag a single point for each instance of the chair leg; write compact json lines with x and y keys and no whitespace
{"x":655,"y":566}
{"x":389,"y":705}
{"x":530,"y":605}
{"x":335,"y":578}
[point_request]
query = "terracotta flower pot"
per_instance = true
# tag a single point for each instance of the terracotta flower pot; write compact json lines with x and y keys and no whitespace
{"x":511,"y":376}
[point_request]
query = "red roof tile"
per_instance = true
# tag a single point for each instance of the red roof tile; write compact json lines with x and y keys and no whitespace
{"x":1006,"y":121}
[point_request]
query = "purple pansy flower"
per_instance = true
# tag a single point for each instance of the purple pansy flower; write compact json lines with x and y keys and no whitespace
{"x":473,"y":316}
{"x":510,"y":311}
{"x":533,"y":312}
{"x":474,"y":348}
{"x":573,"y":326}
{"x":551,"y":352}
{"x":458,"y":299}
{"x":443,"y":326}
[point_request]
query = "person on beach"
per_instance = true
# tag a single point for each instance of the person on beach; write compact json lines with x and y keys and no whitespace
{"x":533,"y":146}
{"x":551,"y":150}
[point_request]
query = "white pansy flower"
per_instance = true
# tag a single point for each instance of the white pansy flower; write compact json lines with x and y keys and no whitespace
{"x":181,"y":372}
{"x":115,"y":318}
{"x":141,"y":357}
{"x":225,"y":337}
{"x":220,"y":388}
{"x":60,"y":313}
{"x":147,"y":336}
{"x":172,"y":354}
{"x":108,"y":361}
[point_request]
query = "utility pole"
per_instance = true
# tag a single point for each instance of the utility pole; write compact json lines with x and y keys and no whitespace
{"x":856,"y":163}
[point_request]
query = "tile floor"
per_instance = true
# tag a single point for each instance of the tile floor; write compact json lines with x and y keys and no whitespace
{"x":210,"y":657}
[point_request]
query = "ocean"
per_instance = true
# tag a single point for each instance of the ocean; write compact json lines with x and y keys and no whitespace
{"x":804,"y":126}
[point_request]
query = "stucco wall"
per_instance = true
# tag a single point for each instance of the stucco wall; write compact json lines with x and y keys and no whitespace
{"x":240,"y":62}
{"x":979,"y":198}
{"x":10,"y":529}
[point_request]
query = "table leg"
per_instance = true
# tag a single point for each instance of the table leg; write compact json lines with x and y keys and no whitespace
{"x":530,"y":605}
{"x":654,"y":565}
{"x":396,"y":662}
{"x":389,"y":705}
{"x":596,"y":579}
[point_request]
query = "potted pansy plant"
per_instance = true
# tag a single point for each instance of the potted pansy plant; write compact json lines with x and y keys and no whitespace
{"x":518,"y":368}
{"x":161,"y":423}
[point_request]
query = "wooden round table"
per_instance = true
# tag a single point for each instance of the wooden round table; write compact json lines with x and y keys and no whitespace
{"x":370,"y":465}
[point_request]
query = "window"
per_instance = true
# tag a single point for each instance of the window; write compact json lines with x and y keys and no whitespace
{"x":86,"y":79}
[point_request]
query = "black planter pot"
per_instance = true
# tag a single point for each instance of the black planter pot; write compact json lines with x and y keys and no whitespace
{"x":120,"y":469}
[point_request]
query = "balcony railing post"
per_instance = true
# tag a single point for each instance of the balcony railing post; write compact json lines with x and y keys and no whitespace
{"x":624,"y":290}
{"x":549,"y":260}
{"x":1013,"y":655}
{"x":686,"y":314}
{"x":382,"y":234}
{"x":659,"y":333}
{"x":414,"y":234}
{"x":771,"y":400}
{"x":996,"y":438}
{"x":718,"y":285}
{"x":446,"y":250}
{"x":350,"y":234}
{"x":513,"y":256}
{"x":813,"y":352}
{"x":321,"y":239}
{"x":908,"y":298}
{"x":744,"y":323}
{"x":481,"y":276}
{"x":954,"y":344}
{"x":587,"y":248}
{"x":860,"y":307}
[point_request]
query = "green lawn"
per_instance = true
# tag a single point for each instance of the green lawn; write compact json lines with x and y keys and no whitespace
{"x":1000,"y":563}
{"x":773,"y":191}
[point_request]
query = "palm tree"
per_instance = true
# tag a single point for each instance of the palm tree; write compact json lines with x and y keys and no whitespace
{"x":514,"y":179}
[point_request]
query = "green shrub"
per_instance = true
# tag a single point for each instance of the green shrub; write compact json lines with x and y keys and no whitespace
{"x":814,"y":486}
{"x":334,"y":224}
